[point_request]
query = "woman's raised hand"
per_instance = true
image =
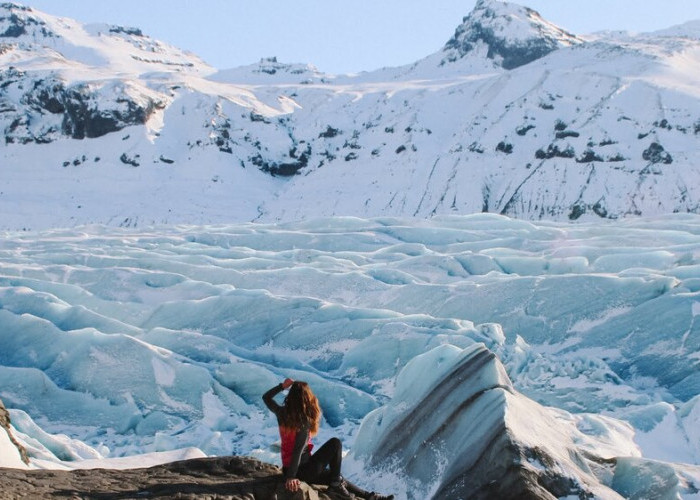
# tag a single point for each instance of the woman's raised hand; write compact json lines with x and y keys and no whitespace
{"x":287,"y":383}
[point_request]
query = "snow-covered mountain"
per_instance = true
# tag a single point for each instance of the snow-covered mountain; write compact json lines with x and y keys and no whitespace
{"x":508,"y":34}
{"x":513,"y":115}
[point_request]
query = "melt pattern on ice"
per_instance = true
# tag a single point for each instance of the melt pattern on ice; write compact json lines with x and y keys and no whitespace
{"x":164,"y":338}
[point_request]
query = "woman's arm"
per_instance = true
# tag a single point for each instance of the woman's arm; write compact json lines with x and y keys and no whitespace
{"x":300,"y":442}
{"x":269,"y":396}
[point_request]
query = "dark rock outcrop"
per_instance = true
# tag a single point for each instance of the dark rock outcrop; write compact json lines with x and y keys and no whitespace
{"x":86,"y":115}
{"x":84,"y":110}
{"x":15,"y":20}
{"x":655,"y":153}
{"x":5,"y":424}
{"x":235,"y":478}
{"x":489,"y":24}
{"x":297,"y":161}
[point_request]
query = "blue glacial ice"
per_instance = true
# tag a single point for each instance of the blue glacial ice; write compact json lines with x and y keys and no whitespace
{"x":155,"y":339}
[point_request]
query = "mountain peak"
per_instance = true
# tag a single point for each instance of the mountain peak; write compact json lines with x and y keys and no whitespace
{"x":10,"y":6}
{"x":32,"y":39}
{"x":17,"y":20}
{"x":510,"y":34}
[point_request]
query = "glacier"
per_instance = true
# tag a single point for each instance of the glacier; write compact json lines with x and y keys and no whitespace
{"x":119,"y":342}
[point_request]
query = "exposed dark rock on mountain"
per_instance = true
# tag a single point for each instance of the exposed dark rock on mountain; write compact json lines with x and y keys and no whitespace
{"x":83,"y":116}
{"x":655,"y":153}
{"x":15,"y":23}
{"x":83,"y":110}
{"x":492,"y":24}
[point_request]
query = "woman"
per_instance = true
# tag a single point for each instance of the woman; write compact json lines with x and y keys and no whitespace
{"x":298,"y":419}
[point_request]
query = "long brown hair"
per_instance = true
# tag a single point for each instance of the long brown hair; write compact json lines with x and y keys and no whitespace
{"x":301,"y":408}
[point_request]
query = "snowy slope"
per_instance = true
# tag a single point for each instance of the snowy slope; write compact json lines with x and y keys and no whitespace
{"x":122,"y":342}
{"x":513,"y":116}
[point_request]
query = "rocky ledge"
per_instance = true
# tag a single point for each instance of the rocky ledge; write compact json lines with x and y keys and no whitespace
{"x":220,"y":478}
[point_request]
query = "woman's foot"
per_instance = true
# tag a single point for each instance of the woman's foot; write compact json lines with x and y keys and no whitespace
{"x":339,"y":488}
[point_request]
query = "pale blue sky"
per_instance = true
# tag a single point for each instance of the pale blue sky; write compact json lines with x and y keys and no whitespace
{"x":343,"y":36}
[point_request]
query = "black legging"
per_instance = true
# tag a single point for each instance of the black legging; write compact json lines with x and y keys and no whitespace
{"x":323,"y":466}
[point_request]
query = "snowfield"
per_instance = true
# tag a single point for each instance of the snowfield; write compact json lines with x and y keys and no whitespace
{"x":514,"y":115}
{"x":119,"y":342}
